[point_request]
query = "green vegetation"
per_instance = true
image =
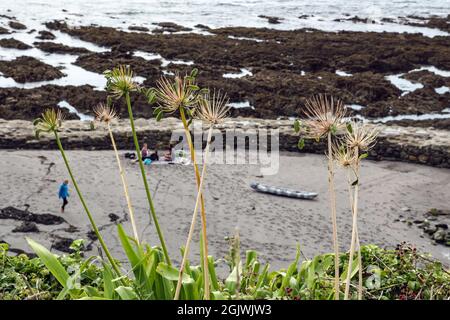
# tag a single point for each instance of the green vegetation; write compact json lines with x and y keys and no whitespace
{"x":148,"y":272}
{"x":390,"y":274}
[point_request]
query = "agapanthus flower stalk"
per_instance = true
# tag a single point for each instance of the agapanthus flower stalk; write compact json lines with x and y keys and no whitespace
{"x":120,"y":81}
{"x":50,"y":122}
{"x":120,"y":84}
{"x":359,"y":137}
{"x":211,"y":110}
{"x":182,"y":95}
{"x":179,"y":94}
{"x":105,"y":114}
{"x":346,"y":157}
{"x":324,"y":117}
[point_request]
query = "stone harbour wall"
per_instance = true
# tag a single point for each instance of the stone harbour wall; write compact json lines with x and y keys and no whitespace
{"x":410,"y":144}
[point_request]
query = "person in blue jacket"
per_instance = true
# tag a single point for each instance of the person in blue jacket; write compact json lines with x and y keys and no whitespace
{"x":64,"y":194}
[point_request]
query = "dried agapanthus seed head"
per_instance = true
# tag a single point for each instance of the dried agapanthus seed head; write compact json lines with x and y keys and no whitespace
{"x":171,"y":96}
{"x":120,"y":81}
{"x":50,"y":121}
{"x":361,"y":136}
{"x":324,"y":115}
{"x":212,"y":108}
{"x":345,"y":156}
{"x":105,"y":113}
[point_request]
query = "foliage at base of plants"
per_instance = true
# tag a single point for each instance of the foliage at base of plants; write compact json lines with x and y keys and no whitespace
{"x":22,"y":277}
{"x":402,"y":273}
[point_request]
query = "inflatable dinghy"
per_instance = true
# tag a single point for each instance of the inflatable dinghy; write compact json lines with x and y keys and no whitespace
{"x":283,"y":191}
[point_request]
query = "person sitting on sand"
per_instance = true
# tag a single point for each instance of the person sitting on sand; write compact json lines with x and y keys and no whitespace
{"x":154,"y":156}
{"x":145,"y":153}
{"x":168,"y":154}
{"x":64,"y":194}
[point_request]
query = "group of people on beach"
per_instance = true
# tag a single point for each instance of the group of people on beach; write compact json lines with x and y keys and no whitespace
{"x":147,"y":157}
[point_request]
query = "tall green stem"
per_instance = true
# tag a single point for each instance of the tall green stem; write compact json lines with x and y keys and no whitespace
{"x":144,"y":178}
{"x":333,"y":218}
{"x":202,"y":202}
{"x":194,"y":216}
{"x":91,"y":219}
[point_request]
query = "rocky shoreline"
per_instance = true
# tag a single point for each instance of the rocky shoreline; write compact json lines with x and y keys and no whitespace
{"x":434,"y":225}
{"x":271,"y":71}
{"x":409,"y":144}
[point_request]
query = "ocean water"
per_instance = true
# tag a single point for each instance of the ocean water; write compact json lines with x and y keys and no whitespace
{"x":320,"y":14}
{"x":218,"y":13}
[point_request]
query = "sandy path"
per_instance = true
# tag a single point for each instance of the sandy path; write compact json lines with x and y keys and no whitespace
{"x":269,"y":224}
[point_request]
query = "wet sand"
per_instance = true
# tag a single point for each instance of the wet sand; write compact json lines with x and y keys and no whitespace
{"x":269,"y":224}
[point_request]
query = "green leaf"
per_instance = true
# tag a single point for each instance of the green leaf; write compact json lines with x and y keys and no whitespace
{"x":230,"y":282}
{"x":203,"y":91}
{"x":194,"y":87}
{"x":136,"y":260}
{"x":108,"y":285}
{"x":301,"y":143}
{"x":126,"y":245}
{"x":191,"y":291}
{"x":156,"y":111}
{"x":164,"y":286}
{"x":37,"y":133}
{"x":333,"y":129}
{"x":151,"y":96}
{"x":363,"y":156}
{"x":92,"y":292}
{"x":93,"y":298}
{"x":50,"y":261}
{"x":126,"y":293}
{"x":355,"y":268}
{"x":262,"y":277}
{"x":349,"y":127}
{"x":297,"y":126}
{"x":62,"y":294}
{"x":212,"y":273}
{"x":170,"y":273}
{"x":292,"y":268}
{"x":159,"y":116}
{"x":194,"y":72}
{"x":251,"y":255}
{"x":109,"y":101}
{"x":217,"y":295}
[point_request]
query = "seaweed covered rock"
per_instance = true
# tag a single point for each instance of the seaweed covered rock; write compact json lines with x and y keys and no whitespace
{"x":13,"y":44}
{"x":17,"y":25}
{"x":138,"y":28}
{"x":28,"y":69}
{"x":169,"y":27}
{"x":4,"y":31}
{"x":46,"y":35}
{"x":53,"y":47}
{"x":26,"y":226}
{"x":22,"y":215}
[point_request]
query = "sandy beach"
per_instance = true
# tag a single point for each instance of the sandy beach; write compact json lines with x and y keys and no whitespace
{"x":269,"y":224}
